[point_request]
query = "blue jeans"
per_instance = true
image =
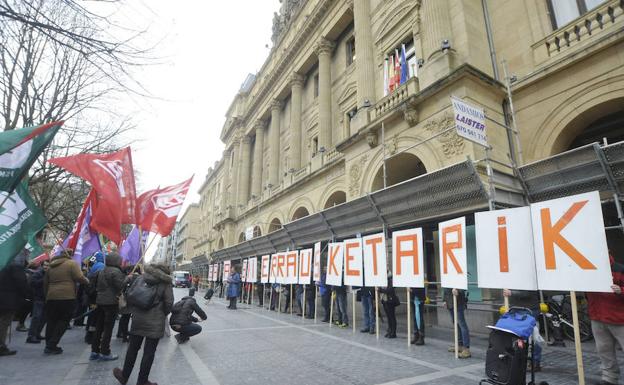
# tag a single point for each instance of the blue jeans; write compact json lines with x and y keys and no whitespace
{"x":537,"y":348}
{"x":38,"y":319}
{"x":188,"y":331}
{"x":368,"y":313}
{"x":341,"y":301}
{"x":464,"y":333}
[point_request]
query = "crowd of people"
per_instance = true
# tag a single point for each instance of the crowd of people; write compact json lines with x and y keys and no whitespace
{"x":54,"y":293}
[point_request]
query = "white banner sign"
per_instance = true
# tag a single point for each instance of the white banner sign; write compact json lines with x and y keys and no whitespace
{"x":453,"y":256}
{"x":273,"y":272}
{"x":252,"y":270}
{"x":226,"y":270}
{"x":244,"y":271}
{"x":264,"y":268}
{"x":375,"y":260}
{"x":334,"y":264}
{"x":305,"y":266}
{"x":505,"y":255}
{"x":407,"y":258}
{"x":292,"y":257}
{"x":353,"y":275}
{"x":571,"y":250}
{"x":281,"y":268}
{"x":317,"y":262}
{"x":249,"y":233}
{"x":469,"y":121}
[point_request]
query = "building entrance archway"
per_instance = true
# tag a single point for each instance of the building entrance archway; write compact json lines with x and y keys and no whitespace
{"x":398,"y":169}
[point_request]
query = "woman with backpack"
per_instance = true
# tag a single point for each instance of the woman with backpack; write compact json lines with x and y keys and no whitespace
{"x":148,"y":321}
{"x":234,"y":281}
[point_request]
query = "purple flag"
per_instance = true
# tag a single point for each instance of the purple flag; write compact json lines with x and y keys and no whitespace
{"x":88,"y":241}
{"x":130,"y":250}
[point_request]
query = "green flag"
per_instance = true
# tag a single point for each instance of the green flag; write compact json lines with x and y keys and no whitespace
{"x":19,"y":149}
{"x":20,"y":221}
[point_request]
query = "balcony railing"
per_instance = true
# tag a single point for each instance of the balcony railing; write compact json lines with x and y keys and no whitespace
{"x":396,"y":98}
{"x":607,"y":17}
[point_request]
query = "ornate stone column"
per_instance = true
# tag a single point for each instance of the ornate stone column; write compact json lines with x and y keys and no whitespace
{"x":436,"y":29}
{"x":258,"y":159}
{"x":274,"y":142}
{"x":324,"y":50}
{"x":296,"y":85}
{"x":245,"y":171}
{"x":365,"y":64}
{"x":234,"y":172}
{"x":226,"y":178}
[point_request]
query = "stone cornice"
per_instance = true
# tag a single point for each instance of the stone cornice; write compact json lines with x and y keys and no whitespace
{"x":305,"y":33}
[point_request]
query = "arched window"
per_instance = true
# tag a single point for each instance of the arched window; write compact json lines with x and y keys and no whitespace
{"x":300,"y":213}
{"x":398,"y":169}
{"x":275,"y":225}
{"x":336,"y":198}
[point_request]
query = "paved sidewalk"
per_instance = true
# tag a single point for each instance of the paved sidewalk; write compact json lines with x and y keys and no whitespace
{"x":255,"y":346}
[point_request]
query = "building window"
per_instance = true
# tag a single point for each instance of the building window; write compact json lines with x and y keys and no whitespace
{"x":314,"y":146}
{"x":393,"y":66}
{"x":316,"y":86}
{"x":564,"y":11}
{"x":350,"y":50}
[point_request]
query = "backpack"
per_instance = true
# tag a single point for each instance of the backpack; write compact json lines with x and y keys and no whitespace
{"x":141,"y":294}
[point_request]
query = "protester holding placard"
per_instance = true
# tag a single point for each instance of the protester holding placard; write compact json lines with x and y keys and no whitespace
{"x":342,"y":318}
{"x":310,"y":303}
{"x":390,"y":302}
{"x":464,"y":333}
{"x":325,"y":294}
{"x":606,"y":311}
{"x":299,"y":298}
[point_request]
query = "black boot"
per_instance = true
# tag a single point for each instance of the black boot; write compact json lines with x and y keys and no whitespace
{"x":420,"y":340}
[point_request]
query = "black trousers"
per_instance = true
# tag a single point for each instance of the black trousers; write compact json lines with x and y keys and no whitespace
{"x":122,"y":326}
{"x":233,"y":301}
{"x":390,"y":310}
{"x":58,"y":314}
{"x":149,"y":351}
{"x":326,"y":301}
{"x":104,"y":329}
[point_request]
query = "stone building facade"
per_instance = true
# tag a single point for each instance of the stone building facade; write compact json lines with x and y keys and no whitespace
{"x":311,"y":129}
{"x":188,"y":234}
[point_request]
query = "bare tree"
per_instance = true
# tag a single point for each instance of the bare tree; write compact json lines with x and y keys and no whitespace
{"x":56,"y":64}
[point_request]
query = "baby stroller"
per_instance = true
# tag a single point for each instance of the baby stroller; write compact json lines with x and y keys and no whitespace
{"x":208,"y":295}
{"x":507,"y":354}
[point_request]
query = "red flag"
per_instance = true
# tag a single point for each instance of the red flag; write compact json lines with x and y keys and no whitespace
{"x":158,"y":209}
{"x":397,"y":69}
{"x":112,"y":177}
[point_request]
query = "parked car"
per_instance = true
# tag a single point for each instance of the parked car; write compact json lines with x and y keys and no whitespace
{"x":181,"y":279}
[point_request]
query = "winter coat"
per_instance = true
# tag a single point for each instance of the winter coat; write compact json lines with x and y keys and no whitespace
{"x":60,"y":281}
{"x":13,"y":287}
{"x":608,"y":307}
{"x":323,"y":289}
{"x":233,"y":281}
{"x":184,"y":314}
{"x":110,"y":281}
{"x":98,"y":265}
{"x":151,"y":323}
{"x":36,"y":284}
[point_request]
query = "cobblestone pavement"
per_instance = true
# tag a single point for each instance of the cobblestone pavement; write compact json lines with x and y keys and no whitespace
{"x":255,"y":346}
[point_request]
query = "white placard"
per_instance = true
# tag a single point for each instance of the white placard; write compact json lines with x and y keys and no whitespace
{"x":244,"y":271}
{"x":226,"y":270}
{"x":264,"y":268}
{"x":215,"y":272}
{"x":304,"y":273}
{"x":209,"y":273}
{"x":571,"y":250}
{"x":317,"y":262}
{"x":353,"y":275}
{"x":281,"y":268}
{"x":505,"y":255}
{"x":334,"y":264}
{"x":375,"y":260}
{"x":469,"y":121}
{"x":453,"y":255}
{"x":407,"y":258}
{"x":252,"y":270}
{"x":292,"y":257}
{"x":273,"y":273}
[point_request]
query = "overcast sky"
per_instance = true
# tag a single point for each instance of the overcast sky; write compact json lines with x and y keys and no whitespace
{"x":207,"y":49}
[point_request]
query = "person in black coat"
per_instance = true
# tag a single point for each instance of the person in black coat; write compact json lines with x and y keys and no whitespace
{"x":182,"y":320}
{"x":13,"y":290}
{"x":390,"y":302}
{"x":37,"y":321}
